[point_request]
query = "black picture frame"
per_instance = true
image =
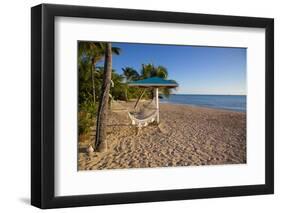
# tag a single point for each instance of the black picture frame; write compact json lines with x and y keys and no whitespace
{"x":43,"y":102}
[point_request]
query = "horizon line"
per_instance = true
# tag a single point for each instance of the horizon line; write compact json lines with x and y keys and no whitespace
{"x":207,"y":94}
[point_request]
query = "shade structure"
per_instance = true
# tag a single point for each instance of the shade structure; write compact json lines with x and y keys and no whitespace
{"x":154,"y":82}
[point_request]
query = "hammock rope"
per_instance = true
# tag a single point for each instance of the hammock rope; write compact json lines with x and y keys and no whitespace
{"x":140,"y":116}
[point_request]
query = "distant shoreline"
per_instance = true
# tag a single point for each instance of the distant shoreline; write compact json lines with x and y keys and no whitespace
{"x":237,"y":103}
{"x":202,"y":107}
{"x":210,"y":94}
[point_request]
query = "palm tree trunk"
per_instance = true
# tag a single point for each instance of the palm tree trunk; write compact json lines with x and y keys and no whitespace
{"x":93,"y":80}
{"x":103,"y":104}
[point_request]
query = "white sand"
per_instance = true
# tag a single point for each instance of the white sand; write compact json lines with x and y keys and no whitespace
{"x":185,"y":136}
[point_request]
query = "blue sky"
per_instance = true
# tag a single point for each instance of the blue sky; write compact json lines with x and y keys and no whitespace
{"x":198,"y":70}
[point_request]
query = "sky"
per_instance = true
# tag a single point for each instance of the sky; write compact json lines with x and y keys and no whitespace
{"x":197,"y":69}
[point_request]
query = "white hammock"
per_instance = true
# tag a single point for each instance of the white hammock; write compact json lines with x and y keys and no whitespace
{"x":142,"y":120}
{"x":141,"y":116}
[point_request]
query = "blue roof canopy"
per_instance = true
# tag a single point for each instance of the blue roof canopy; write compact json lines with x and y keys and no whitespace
{"x":154,"y":82}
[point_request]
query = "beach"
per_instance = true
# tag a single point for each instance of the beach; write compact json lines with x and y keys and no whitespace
{"x":186,"y":136}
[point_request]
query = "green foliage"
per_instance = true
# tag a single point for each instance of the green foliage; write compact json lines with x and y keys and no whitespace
{"x":86,"y":116}
{"x":130,"y":74}
{"x":85,"y":83}
{"x":118,"y":90}
{"x":149,"y":70}
{"x":91,"y":78}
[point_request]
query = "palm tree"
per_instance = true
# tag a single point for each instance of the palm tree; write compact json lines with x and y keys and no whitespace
{"x":150,"y":70}
{"x":95,"y":52}
{"x":146,"y":70}
{"x":118,"y":89}
{"x":84,"y":74}
{"x":91,"y":51}
{"x":103,"y":104}
{"x":131,"y":74}
{"x":161,"y":72}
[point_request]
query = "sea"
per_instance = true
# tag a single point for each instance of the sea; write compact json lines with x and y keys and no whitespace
{"x":226,"y":102}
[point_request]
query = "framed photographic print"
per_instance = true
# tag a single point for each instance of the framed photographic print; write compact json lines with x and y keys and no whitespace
{"x":139,"y":106}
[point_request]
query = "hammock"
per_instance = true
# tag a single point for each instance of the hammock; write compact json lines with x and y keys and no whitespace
{"x":140,"y":116}
{"x":141,"y":121}
{"x":144,"y":115}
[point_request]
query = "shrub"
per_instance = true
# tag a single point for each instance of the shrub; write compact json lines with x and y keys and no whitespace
{"x":86,"y":116}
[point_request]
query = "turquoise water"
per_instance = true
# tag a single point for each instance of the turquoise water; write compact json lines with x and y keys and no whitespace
{"x":228,"y":102}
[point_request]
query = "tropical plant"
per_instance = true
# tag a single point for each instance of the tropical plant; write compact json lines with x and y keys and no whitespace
{"x":87,"y":111}
{"x":149,"y":70}
{"x":85,"y":84}
{"x":93,"y":52}
{"x":130,"y":73}
{"x":118,"y":87}
{"x":95,"y":85}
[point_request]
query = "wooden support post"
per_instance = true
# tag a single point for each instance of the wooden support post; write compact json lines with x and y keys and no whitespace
{"x":139,"y":98}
